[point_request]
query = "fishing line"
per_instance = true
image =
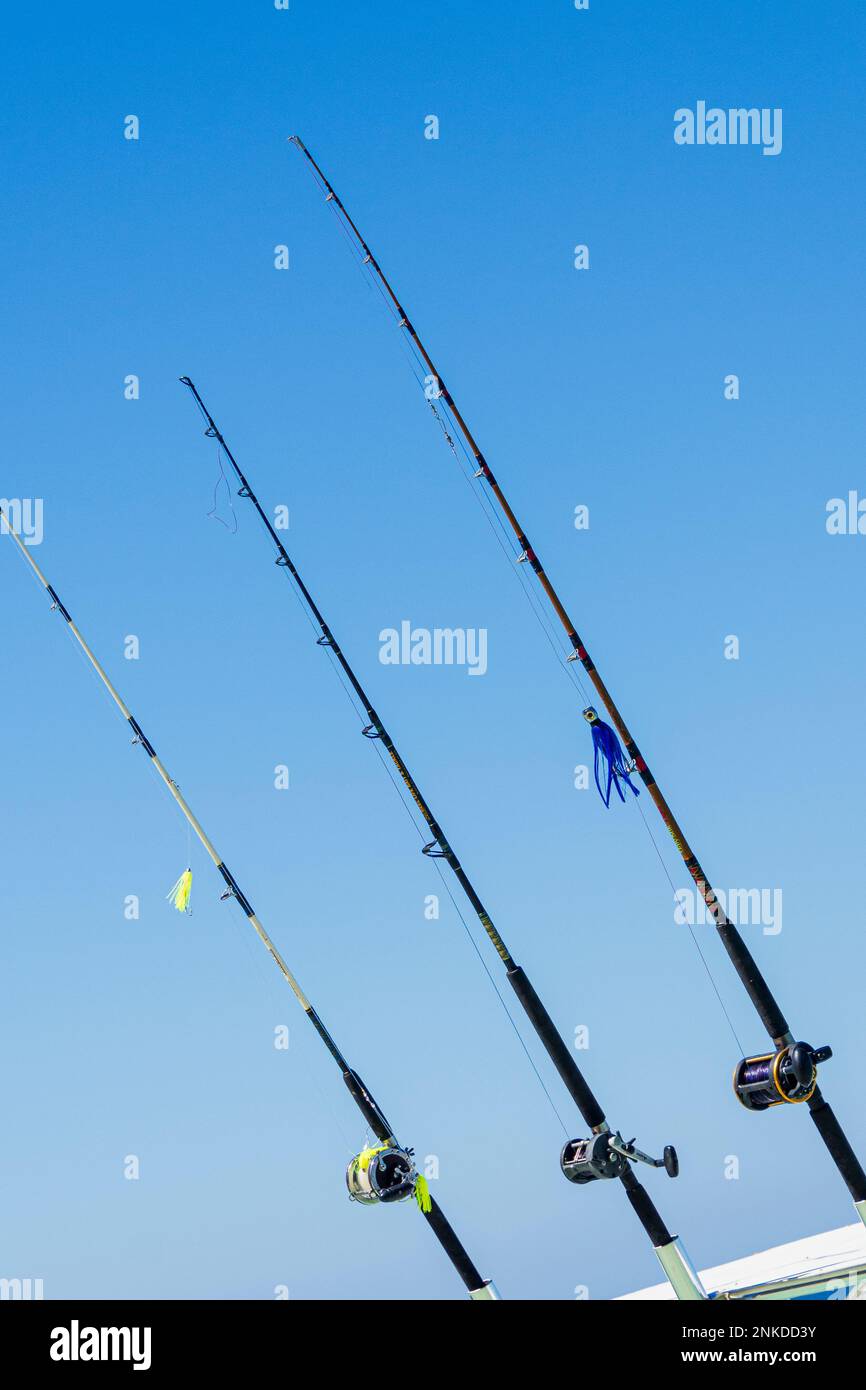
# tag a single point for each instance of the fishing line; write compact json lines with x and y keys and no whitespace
{"x":222,"y":481}
{"x":697,"y":946}
{"x":466,"y":465}
{"x":296,"y":1039}
{"x":403,"y":797}
{"x":508,"y":545}
{"x":485,"y":967}
{"x":502,"y":536}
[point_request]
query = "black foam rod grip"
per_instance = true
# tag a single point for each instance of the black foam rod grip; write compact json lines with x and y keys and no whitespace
{"x":645,"y":1209}
{"x":756,"y":986}
{"x":450,"y":1243}
{"x":367,"y":1106}
{"x":841,"y":1152}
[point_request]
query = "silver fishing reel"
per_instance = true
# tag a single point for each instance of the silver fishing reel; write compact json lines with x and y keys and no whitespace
{"x":608,"y":1155}
{"x":381,"y":1174}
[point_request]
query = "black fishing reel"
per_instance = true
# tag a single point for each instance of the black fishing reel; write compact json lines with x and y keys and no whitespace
{"x":384,"y":1173}
{"x":775,"y":1078}
{"x":607,"y":1156}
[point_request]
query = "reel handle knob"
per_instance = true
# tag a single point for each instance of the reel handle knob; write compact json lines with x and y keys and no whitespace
{"x":804,"y":1059}
{"x":671,"y":1161}
{"x":803,"y":1062}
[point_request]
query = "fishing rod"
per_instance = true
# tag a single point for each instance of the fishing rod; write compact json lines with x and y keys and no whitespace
{"x":381,"y":1173}
{"x":604,"y":1154}
{"x":788,"y":1074}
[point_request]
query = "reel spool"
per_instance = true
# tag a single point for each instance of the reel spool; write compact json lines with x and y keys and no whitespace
{"x":608,"y":1155}
{"x":383,"y":1174}
{"x":775,"y":1078}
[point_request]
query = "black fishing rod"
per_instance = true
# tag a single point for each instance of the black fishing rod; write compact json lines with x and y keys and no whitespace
{"x":604,"y":1154}
{"x":380,"y":1173}
{"x":789,"y":1074}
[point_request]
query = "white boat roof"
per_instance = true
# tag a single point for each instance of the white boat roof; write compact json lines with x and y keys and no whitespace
{"x":820,"y":1256}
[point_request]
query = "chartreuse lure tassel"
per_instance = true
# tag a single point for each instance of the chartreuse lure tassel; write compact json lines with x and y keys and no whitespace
{"x":609,"y":759}
{"x":181,"y":892}
{"x":422,"y":1194}
{"x":363,"y":1159}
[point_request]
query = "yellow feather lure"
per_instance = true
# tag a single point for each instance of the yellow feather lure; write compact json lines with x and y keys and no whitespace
{"x":181,"y":892}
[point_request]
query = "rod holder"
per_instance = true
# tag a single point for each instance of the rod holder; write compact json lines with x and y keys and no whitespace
{"x":487,"y":1293}
{"x":682,"y":1275}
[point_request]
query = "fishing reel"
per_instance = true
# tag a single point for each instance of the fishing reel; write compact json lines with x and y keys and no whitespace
{"x":608,"y":1155}
{"x":385,"y":1173}
{"x":789,"y":1075}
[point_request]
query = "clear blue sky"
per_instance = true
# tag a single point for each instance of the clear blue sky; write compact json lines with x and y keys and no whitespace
{"x":602,"y":387}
